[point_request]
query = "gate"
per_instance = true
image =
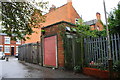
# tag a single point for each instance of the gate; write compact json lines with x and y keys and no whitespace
{"x":73,"y":51}
{"x":50,"y":51}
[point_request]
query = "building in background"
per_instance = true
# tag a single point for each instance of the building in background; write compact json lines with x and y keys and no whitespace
{"x":64,"y":13}
{"x":8,"y":46}
{"x":96,"y":24}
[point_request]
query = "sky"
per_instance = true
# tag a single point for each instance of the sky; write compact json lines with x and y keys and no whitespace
{"x":88,"y":8}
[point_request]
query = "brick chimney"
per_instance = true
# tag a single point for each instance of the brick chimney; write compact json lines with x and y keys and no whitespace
{"x":98,"y":16}
{"x":69,"y":1}
{"x":52,"y":8}
{"x":69,"y":7}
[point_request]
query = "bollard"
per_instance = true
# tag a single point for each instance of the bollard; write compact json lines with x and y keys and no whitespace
{"x":7,"y":59}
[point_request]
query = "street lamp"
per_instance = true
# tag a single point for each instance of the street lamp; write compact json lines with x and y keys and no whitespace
{"x":108,"y":41}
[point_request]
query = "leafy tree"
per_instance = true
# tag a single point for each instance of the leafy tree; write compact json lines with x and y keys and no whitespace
{"x":85,"y":30}
{"x":114,"y":20}
{"x":19,"y":18}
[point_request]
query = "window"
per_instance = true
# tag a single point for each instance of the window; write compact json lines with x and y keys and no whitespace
{"x":76,"y":20}
{"x":18,"y":41}
{"x":7,"y":49}
{"x":16,"y":49}
{"x":7,"y":40}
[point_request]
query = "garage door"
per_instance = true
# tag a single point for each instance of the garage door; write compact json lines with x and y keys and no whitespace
{"x":50,"y":51}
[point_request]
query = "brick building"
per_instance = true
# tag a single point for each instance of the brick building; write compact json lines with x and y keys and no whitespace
{"x":8,"y":46}
{"x":52,"y":44}
{"x":96,"y":24}
{"x":64,"y":13}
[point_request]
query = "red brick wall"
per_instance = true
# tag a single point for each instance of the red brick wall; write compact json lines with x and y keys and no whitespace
{"x":100,"y":25}
{"x":96,"y":73}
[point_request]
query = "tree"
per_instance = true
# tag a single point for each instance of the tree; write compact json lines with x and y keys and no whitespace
{"x":0,"y":12}
{"x":85,"y":30}
{"x":114,"y":20}
{"x":18,"y":18}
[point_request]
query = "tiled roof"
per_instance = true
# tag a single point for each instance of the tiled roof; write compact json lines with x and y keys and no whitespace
{"x":91,"y":22}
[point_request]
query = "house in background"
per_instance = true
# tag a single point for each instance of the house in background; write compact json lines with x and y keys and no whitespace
{"x":96,"y":24}
{"x":64,"y":13}
{"x":8,"y":46}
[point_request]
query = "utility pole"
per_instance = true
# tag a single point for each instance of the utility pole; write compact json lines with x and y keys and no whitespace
{"x":108,"y":42}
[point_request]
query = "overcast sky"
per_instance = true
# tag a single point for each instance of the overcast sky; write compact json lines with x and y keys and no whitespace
{"x":88,"y":8}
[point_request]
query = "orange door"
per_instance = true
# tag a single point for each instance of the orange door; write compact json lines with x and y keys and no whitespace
{"x":50,"y":51}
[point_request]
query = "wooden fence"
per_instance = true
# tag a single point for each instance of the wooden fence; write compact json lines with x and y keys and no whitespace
{"x":30,"y":53}
{"x":73,"y":51}
{"x":96,"y":51}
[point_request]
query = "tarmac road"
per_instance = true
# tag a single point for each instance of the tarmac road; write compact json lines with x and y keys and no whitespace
{"x":18,"y":69}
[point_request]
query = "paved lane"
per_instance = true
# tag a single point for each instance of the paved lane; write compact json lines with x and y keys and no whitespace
{"x":17,"y":69}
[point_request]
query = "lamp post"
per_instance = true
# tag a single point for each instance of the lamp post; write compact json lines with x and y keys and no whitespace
{"x":108,"y":42}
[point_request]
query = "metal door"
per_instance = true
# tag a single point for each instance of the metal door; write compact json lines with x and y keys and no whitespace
{"x":50,"y":51}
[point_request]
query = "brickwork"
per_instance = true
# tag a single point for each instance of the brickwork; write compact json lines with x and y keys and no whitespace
{"x":63,"y":13}
{"x":100,"y":25}
{"x":55,"y":29}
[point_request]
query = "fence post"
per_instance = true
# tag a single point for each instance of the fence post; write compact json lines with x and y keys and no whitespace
{"x":73,"y":50}
{"x":82,"y":50}
{"x":38,"y":53}
{"x":110,"y":65}
{"x":42,"y":49}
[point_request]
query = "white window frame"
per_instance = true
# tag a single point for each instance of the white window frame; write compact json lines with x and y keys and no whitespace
{"x":18,"y":41}
{"x":6,"y":49}
{"x":16,"y":49}
{"x":7,"y":40}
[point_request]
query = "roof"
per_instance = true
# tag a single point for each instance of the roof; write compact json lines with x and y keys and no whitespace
{"x":64,"y":13}
{"x":59,"y":23}
{"x":91,"y":22}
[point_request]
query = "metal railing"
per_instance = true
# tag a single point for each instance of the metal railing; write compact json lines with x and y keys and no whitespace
{"x":96,"y":51}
